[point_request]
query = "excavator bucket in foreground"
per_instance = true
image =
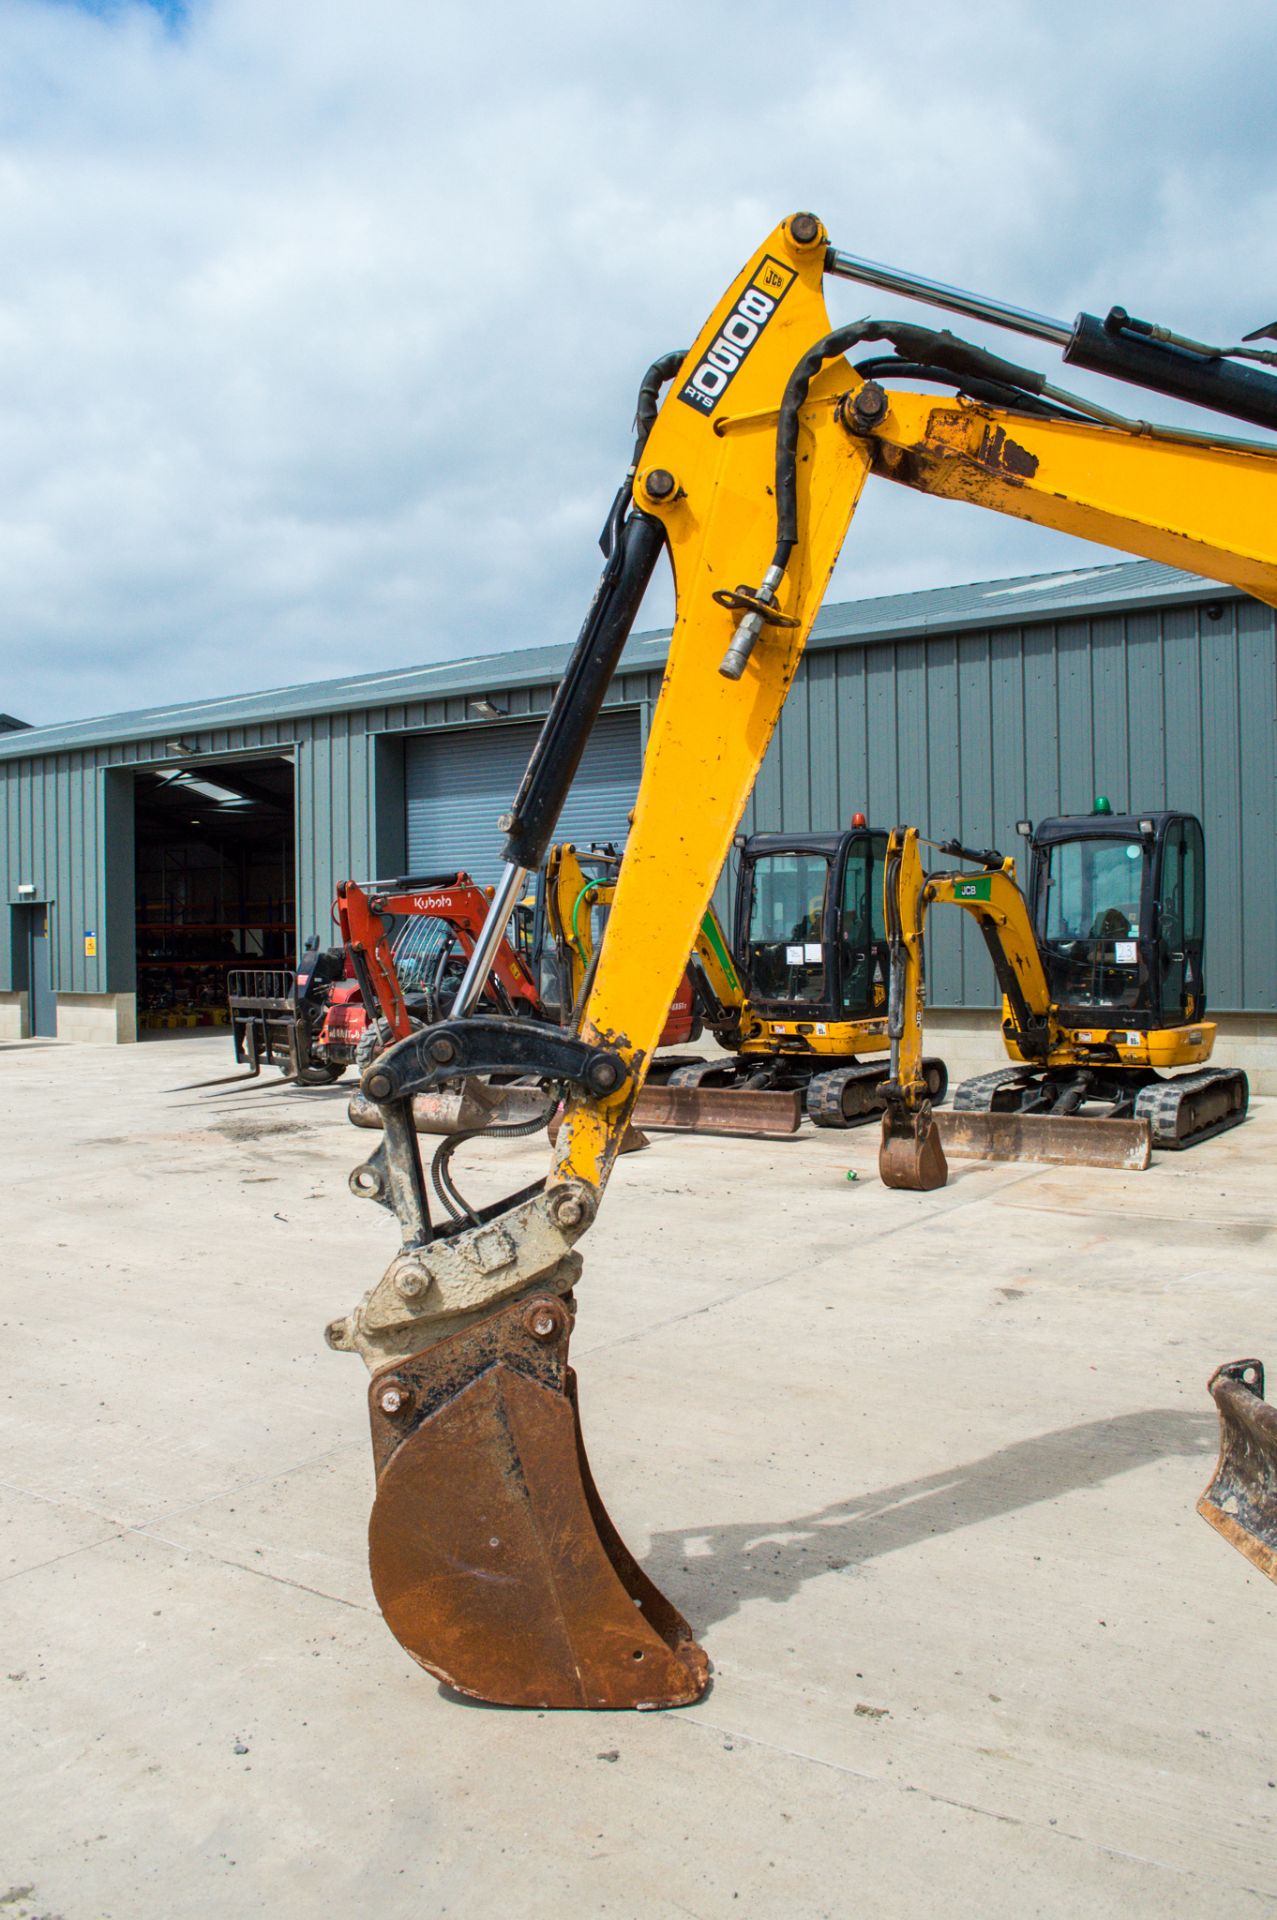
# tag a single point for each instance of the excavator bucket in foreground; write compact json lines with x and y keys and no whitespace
{"x":1241,"y":1500}
{"x":911,"y":1156}
{"x":492,"y":1556}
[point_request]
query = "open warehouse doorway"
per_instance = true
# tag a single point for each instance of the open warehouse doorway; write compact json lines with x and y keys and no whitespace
{"x":215,"y":883}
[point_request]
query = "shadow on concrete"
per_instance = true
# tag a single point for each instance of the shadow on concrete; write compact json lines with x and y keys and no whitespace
{"x":713,"y":1572}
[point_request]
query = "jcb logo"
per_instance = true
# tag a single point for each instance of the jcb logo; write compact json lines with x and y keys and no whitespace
{"x":750,"y":315}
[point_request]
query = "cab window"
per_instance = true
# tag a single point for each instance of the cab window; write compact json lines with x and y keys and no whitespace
{"x":862,"y":926}
{"x":1181,"y":921}
{"x":1091,"y":921}
{"x":422,"y":946}
{"x":786,"y":918}
{"x":1093,"y":890}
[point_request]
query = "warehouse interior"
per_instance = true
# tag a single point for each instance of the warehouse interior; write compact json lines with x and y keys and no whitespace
{"x":215,"y":883}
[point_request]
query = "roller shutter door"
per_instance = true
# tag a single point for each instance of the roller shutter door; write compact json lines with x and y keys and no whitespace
{"x":458,"y":784}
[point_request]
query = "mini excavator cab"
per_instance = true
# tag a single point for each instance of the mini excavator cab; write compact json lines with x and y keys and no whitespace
{"x":1118,"y":905}
{"x":810,"y":940}
{"x":573,"y":897}
{"x":572,"y":894}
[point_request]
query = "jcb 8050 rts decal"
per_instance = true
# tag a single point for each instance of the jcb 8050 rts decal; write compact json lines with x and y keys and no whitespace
{"x":717,"y":366}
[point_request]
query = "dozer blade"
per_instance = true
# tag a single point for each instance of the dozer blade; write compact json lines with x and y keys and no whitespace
{"x":911,"y":1156}
{"x":1241,"y":1500}
{"x":1067,"y":1140}
{"x":492,"y":1556}
{"x":755,"y":1114}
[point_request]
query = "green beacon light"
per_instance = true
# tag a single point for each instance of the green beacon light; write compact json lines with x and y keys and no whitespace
{"x":1102,"y":804}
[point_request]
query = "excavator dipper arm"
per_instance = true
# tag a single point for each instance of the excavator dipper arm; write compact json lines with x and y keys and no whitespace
{"x":911,"y":1155}
{"x":492,"y":1556}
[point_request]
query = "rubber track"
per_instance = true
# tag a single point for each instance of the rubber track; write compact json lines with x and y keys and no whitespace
{"x":976,"y":1096}
{"x":1164,"y":1104}
{"x":825,"y":1095}
{"x":697,"y":1076}
{"x":825,"y":1092}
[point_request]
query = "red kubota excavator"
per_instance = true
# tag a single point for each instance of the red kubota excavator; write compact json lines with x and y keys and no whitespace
{"x":492,"y":1556}
{"x":310,"y":1022}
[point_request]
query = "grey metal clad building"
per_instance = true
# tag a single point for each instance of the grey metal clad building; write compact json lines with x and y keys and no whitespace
{"x":142,"y":853}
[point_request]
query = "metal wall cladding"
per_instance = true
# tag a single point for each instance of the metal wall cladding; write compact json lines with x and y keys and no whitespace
{"x":53,"y":842}
{"x":964,"y":734}
{"x":958,"y":733}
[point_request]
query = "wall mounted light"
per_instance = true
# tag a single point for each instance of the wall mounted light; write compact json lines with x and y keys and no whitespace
{"x":487,"y":709}
{"x":26,"y":886}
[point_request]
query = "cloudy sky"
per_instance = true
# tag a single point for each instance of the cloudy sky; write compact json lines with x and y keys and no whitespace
{"x":320,"y":323}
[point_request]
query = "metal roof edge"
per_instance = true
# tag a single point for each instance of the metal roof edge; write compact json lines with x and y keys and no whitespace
{"x":1186,"y":588}
{"x":544,"y":665}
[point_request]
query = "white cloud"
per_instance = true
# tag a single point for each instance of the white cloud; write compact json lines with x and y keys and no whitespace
{"x":320,"y":327}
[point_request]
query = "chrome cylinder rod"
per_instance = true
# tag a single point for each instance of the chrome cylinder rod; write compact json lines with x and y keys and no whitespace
{"x":975,"y":306}
{"x":479,"y":965}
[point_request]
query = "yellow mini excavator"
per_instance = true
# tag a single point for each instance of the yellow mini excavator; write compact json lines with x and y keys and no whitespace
{"x":797,"y":999}
{"x":806,"y":996}
{"x":1103,"y":979}
{"x":492,"y":1556}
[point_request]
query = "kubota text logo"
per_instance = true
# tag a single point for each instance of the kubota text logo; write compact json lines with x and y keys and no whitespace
{"x":718,"y":365}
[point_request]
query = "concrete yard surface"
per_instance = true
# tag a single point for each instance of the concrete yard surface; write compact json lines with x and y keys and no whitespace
{"x":920,"y":1469}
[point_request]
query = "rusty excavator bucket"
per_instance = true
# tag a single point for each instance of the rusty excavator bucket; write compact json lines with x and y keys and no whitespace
{"x":493,"y":1559}
{"x":911,"y":1156}
{"x":1241,"y":1500}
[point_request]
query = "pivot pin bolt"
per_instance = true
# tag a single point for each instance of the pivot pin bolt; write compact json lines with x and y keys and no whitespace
{"x":394,"y":1398}
{"x":542,"y":1321}
{"x":443,"y":1049}
{"x":660,"y":484}
{"x":804,"y":228}
{"x":569,"y":1212}
{"x":602,"y":1074}
{"x":410,"y":1284}
{"x":379,"y":1086}
{"x":870,"y":404}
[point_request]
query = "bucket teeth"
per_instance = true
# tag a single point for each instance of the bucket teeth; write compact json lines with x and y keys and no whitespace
{"x":493,"y":1559}
{"x":1241,"y":1500}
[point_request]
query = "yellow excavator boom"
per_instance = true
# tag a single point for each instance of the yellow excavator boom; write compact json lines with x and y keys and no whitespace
{"x":492,"y":1556}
